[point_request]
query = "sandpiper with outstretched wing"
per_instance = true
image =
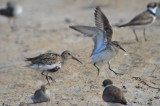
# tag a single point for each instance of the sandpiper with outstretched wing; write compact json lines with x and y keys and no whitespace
{"x":104,"y":48}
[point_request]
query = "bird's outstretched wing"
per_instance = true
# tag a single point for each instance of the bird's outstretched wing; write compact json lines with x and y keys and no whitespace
{"x":102,"y":22}
{"x":97,"y":35}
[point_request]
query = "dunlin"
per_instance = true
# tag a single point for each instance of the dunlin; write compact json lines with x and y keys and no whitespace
{"x":112,"y":94}
{"x":50,"y":62}
{"x":11,"y":11}
{"x":104,"y":48}
{"x":41,"y":95}
{"x":143,"y":20}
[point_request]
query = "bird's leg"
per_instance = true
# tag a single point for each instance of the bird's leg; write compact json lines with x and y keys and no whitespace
{"x":51,"y":78}
{"x":48,"y":77}
{"x":135,"y":35}
{"x":113,"y":71}
{"x":96,"y":67}
{"x":11,"y":23}
{"x":144,"y":35}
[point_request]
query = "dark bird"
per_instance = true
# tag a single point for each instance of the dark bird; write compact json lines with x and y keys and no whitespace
{"x":11,"y":11}
{"x":112,"y":94}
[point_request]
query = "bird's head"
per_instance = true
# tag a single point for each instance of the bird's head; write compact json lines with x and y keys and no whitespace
{"x":152,"y":7}
{"x":43,"y":88}
{"x":67,"y":55}
{"x":107,"y":82}
{"x":118,"y":45}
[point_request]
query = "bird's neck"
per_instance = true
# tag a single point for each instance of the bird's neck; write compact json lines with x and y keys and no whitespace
{"x":152,"y":11}
{"x":108,"y":86}
{"x":115,"y":48}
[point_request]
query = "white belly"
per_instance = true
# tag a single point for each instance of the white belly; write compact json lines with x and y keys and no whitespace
{"x":46,"y":67}
{"x":103,"y":57}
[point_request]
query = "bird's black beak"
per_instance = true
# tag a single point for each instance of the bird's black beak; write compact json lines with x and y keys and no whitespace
{"x":76,"y":59}
{"x":122,"y":48}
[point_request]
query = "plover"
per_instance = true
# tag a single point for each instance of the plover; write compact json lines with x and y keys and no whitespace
{"x":41,"y":95}
{"x":112,"y":94}
{"x":143,"y":20}
{"x":50,"y":62}
{"x":11,"y":11}
{"x":104,"y":48}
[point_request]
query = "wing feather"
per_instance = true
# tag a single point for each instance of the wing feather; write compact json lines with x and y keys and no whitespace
{"x":102,"y":22}
{"x":97,"y":35}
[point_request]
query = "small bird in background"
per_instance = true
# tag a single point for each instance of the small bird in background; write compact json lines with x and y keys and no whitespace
{"x":41,"y":95}
{"x":112,"y":94}
{"x":11,"y":11}
{"x":104,"y":48}
{"x":50,"y":62}
{"x":143,"y":20}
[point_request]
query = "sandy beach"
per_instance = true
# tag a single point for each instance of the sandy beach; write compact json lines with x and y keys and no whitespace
{"x":44,"y":27}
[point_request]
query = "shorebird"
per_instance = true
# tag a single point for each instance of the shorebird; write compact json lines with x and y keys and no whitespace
{"x":112,"y":94}
{"x":104,"y":48}
{"x":143,"y":20}
{"x":11,"y":11}
{"x":41,"y":95}
{"x":50,"y":62}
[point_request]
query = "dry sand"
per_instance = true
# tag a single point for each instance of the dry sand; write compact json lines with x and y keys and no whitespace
{"x":44,"y":27}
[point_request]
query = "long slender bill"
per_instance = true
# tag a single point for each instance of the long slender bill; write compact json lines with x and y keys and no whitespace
{"x":122,"y":49}
{"x":76,"y":59}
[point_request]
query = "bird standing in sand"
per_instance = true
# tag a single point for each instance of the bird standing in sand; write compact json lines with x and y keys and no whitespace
{"x":41,"y":95}
{"x":143,"y":20}
{"x":11,"y":11}
{"x":104,"y":48}
{"x":112,"y":94}
{"x":50,"y":62}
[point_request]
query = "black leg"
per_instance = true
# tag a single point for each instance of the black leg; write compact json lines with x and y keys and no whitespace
{"x":43,"y":73}
{"x":144,"y":35}
{"x":48,"y":77}
{"x":135,"y":35}
{"x":11,"y":23}
{"x":113,"y":71}
{"x":96,"y":67}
